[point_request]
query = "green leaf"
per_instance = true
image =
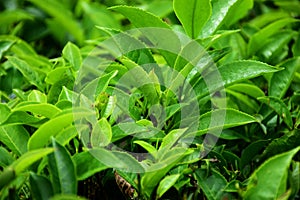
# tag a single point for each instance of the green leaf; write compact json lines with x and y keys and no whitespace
{"x":43,"y":109}
{"x":72,"y":54}
{"x":95,"y":12}
{"x":37,"y":96}
{"x":250,"y":153}
{"x":249,"y":89}
{"x":139,"y":17}
{"x":62,"y":16}
{"x":5,"y":45}
{"x":166,"y":183}
{"x":29,"y":158}
{"x":4,"y":112}
{"x":40,"y":186}
{"x":158,"y":32}
{"x":239,"y":10}
{"x":67,"y":134}
{"x":56,"y":74}
{"x":192,"y":15}
{"x":148,"y":147}
{"x":66,"y":197}
{"x":22,"y":117}
{"x":276,"y":45}
{"x":21,"y":164}
{"x":273,"y":174}
{"x":243,"y":102}
{"x":31,"y":76}
{"x":259,"y":39}
{"x":84,"y":170}
{"x":267,"y":18}
{"x":118,"y":160}
{"x":230,"y":73}
{"x":52,"y":127}
{"x":171,"y":138}
{"x":213,"y":186}
{"x":11,"y":16}
{"x":62,"y":170}
{"x":159,"y":8}
{"x":295,"y":48}
{"x":220,"y":9}
{"x":280,"y":81}
{"x":158,"y":170}
{"x":101,"y":134}
{"x":15,"y":137}
{"x":280,"y":108}
{"x":223,"y":119}
{"x":5,"y":158}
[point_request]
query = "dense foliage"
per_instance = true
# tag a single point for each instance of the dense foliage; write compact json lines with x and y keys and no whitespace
{"x":149,"y":99}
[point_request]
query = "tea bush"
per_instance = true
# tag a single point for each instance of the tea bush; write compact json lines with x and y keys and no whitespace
{"x":149,"y":99}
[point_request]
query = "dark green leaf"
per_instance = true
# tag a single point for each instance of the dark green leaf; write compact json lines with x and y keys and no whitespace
{"x":280,"y":108}
{"x":259,"y":39}
{"x":40,"y":186}
{"x":87,"y":165}
{"x":280,"y":81}
{"x":212,"y":185}
{"x":62,"y":169}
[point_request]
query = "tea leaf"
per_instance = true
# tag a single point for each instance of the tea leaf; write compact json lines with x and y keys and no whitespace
{"x":15,"y":137}
{"x":52,"y":127}
{"x":62,"y":170}
{"x":72,"y":54}
{"x":27,"y":71}
{"x":192,"y":15}
{"x":217,"y":17}
{"x":41,"y":186}
{"x":212,"y":185}
{"x":272,"y":173}
{"x":42,"y":109}
{"x":230,"y":73}
{"x":83,"y":170}
{"x":281,"y":80}
{"x":166,"y":183}
{"x":259,"y":39}
{"x":223,"y":118}
{"x":280,"y":108}
{"x":101,"y":134}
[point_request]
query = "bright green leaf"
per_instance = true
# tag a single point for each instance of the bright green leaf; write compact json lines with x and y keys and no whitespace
{"x":166,"y":183}
{"x":273,"y":174}
{"x":72,"y":54}
{"x":192,"y":15}
{"x":52,"y":127}
{"x":220,"y":9}
{"x":223,"y":119}
{"x":101,"y":134}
